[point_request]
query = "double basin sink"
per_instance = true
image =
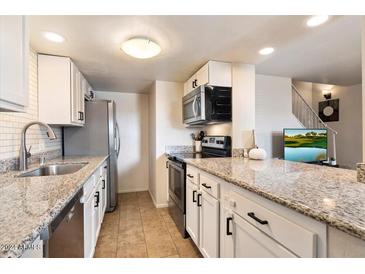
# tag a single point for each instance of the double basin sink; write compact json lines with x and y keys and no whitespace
{"x":54,"y":169}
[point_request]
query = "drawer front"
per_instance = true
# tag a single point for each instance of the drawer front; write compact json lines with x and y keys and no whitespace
{"x":296,"y":238}
{"x":209,"y":185}
{"x":192,"y":175}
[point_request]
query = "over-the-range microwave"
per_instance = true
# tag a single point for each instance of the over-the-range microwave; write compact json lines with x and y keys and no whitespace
{"x":207,"y":105}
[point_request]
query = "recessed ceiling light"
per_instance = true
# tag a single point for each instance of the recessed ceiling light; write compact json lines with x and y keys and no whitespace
{"x":317,"y":20}
{"x":266,"y":51}
{"x":141,"y":48}
{"x":54,"y":37}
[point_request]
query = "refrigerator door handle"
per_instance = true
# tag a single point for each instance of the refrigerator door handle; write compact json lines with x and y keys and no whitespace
{"x":118,"y":139}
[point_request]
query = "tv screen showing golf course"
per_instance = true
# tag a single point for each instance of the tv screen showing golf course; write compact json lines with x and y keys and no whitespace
{"x":305,"y":145}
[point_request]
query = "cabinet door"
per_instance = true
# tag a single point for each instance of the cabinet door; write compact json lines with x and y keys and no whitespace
{"x":226,"y":228}
{"x":14,"y":54}
{"x":249,"y":242}
{"x":220,"y":74}
{"x":75,"y":94}
{"x":97,"y":211}
{"x":89,"y":235}
{"x":192,"y":212}
{"x":104,"y":189}
{"x":83,"y":91}
{"x":202,"y":76}
{"x":209,"y":225}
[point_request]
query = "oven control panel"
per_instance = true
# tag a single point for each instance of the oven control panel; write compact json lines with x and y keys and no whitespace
{"x":220,"y":142}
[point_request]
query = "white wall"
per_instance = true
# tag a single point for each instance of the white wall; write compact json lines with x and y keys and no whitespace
{"x":243,"y":102}
{"x":349,"y":127}
{"x":273,"y":112}
{"x":132,"y":118}
{"x":168,"y":129}
{"x":305,"y":89}
{"x":152,"y":141}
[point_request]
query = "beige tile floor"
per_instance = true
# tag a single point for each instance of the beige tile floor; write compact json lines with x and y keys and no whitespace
{"x":136,"y":229}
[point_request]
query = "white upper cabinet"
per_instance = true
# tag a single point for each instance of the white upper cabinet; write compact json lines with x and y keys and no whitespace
{"x":212,"y":73}
{"x":14,"y":54}
{"x":61,"y":88}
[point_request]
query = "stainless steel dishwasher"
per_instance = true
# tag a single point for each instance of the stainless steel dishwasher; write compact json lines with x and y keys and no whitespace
{"x":64,"y":237}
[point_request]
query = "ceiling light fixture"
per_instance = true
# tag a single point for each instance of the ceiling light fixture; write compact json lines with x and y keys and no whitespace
{"x":54,"y":37}
{"x":141,"y":48}
{"x":317,"y":20}
{"x":266,"y":51}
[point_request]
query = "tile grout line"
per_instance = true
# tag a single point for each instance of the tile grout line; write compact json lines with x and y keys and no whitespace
{"x":172,"y":239}
{"x":144,"y":235}
{"x":119,"y":211}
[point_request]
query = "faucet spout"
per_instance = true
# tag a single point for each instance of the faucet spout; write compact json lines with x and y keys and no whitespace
{"x":24,"y":154}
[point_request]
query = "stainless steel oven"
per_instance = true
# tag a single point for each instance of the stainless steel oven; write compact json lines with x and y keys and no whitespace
{"x":208,"y":104}
{"x":177,"y":173}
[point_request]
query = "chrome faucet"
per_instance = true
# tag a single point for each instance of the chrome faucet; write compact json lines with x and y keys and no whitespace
{"x":24,"y":154}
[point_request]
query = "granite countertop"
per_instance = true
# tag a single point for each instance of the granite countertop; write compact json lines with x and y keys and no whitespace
{"x":29,"y":204}
{"x":327,"y":194}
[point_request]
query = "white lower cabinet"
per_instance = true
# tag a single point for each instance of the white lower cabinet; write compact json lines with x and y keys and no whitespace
{"x":209,"y":225}
{"x":227,"y":221}
{"x":192,"y":216}
{"x":89,"y":238}
{"x":246,"y":241}
{"x":94,"y":200}
{"x":202,"y":213}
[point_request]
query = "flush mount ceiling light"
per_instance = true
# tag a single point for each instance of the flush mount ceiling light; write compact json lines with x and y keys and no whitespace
{"x":141,"y":48}
{"x":53,"y":37}
{"x":317,"y":20}
{"x":266,"y":51}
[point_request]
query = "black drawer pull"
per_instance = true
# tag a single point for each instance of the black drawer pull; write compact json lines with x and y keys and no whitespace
{"x":194,"y":196}
{"x":190,"y":176}
{"x":252,"y":215}
{"x":206,"y":186}
{"x":97,"y":196}
{"x":103,"y":184}
{"x":199,"y":199}
{"x":228,"y":220}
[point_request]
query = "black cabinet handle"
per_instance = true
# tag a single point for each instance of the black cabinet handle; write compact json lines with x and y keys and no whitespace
{"x":167,"y":164}
{"x":206,"y":186}
{"x":194,"y":196}
{"x":190,"y":176}
{"x":81,"y":116}
{"x":199,"y":200}
{"x":195,"y":82}
{"x":105,"y":167}
{"x":97,"y":196}
{"x":252,"y":215}
{"x":103,"y":184}
{"x":192,"y":84}
{"x":228,"y":220}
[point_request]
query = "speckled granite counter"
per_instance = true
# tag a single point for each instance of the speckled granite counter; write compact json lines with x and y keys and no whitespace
{"x":30,"y":204}
{"x":330,"y":195}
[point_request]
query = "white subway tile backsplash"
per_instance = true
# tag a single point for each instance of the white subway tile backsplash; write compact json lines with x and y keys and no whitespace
{"x":11,"y":124}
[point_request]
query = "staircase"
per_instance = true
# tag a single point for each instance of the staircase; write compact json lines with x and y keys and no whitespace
{"x":308,"y":117}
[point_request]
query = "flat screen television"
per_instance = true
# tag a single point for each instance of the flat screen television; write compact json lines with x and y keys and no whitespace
{"x":305,"y":145}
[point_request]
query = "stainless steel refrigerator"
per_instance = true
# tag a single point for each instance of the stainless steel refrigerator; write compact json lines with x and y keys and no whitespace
{"x":99,"y":136}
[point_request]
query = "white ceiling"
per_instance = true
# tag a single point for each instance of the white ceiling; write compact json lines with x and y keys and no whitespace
{"x":330,"y":53}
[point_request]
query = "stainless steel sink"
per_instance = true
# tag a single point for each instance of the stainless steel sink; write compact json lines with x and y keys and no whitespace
{"x":56,"y":169}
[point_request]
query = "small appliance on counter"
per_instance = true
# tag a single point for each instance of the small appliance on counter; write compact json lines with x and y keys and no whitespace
{"x":212,"y":146}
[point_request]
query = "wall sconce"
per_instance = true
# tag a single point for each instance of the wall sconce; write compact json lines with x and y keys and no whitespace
{"x":326,"y":94}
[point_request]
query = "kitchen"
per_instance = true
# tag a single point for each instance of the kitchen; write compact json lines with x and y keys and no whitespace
{"x":174,"y":168}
